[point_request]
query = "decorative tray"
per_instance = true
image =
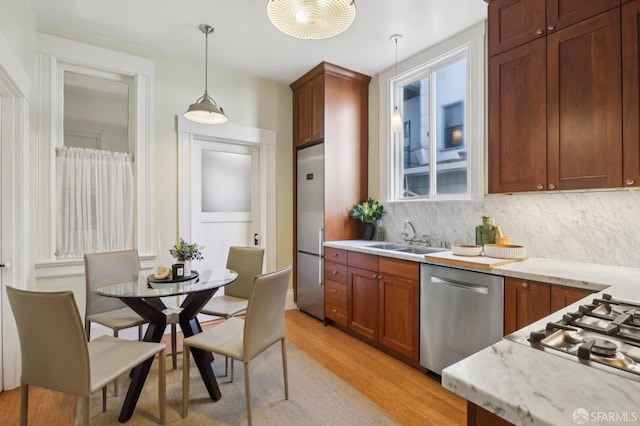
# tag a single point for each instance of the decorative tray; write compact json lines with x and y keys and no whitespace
{"x":169,"y":280}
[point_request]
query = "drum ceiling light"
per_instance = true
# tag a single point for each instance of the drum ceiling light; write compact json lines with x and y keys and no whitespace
{"x":205,"y":110}
{"x":311,"y":19}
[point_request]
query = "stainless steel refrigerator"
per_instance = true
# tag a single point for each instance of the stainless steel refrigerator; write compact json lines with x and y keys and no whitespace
{"x":310,"y":230}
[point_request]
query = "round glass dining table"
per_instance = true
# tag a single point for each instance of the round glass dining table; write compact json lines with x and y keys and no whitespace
{"x":143,"y":296}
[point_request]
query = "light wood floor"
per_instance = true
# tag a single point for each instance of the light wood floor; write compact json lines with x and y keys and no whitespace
{"x":407,"y":395}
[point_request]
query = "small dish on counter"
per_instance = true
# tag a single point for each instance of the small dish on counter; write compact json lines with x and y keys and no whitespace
{"x":466,"y":250}
{"x":505,"y":251}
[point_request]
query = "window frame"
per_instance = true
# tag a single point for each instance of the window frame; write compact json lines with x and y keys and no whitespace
{"x":55,"y":56}
{"x":469,"y":43}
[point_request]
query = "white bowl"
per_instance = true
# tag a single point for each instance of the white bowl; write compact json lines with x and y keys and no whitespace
{"x":505,"y":251}
{"x":466,"y":250}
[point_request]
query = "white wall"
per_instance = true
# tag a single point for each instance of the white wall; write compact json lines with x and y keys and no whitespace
{"x":246,"y":99}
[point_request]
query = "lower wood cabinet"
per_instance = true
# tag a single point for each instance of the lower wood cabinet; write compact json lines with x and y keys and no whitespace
{"x":527,"y":301}
{"x":382,"y":302}
{"x":524,"y":302}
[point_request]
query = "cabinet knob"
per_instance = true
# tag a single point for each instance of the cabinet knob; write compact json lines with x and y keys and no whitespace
{"x":334,"y":291}
{"x":539,"y":31}
{"x":630,"y":181}
{"x":525,"y":284}
{"x":334,"y":272}
{"x":374,"y":276}
{"x":335,"y":255}
{"x":334,"y":311}
{"x":539,"y":187}
{"x":552,"y":186}
{"x":551,"y":27}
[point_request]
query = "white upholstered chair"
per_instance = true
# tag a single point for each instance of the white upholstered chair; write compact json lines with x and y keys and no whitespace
{"x":57,"y":356}
{"x":244,"y":339}
{"x":247,"y":262}
{"x":110,"y":311}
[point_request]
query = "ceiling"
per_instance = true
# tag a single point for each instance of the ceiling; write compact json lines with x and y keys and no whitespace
{"x":244,"y":38}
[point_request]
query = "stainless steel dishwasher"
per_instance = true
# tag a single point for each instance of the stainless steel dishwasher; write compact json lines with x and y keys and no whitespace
{"x":461,"y":312}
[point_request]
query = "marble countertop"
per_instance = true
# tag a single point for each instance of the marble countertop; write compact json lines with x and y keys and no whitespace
{"x":528,"y":386}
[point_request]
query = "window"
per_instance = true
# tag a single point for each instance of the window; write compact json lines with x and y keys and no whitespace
{"x":91,"y":98}
{"x":439,"y":153}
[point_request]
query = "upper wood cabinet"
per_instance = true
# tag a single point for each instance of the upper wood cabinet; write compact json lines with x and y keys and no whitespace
{"x":515,"y":22}
{"x":308,"y":112}
{"x":555,"y":96}
{"x":631,"y":93}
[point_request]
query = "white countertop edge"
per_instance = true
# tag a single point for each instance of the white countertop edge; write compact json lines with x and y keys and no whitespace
{"x":583,"y":275}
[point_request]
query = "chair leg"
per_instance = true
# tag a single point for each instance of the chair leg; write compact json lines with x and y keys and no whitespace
{"x":24,"y":404}
{"x":174,"y":344}
{"x":104,"y":399}
{"x":87,"y":329}
{"x":115,"y":382}
{"x":247,"y":390}
{"x":140,"y":332}
{"x":186,"y":359}
{"x":284,"y":370}
{"x":86,"y":410}
{"x":162,"y":387}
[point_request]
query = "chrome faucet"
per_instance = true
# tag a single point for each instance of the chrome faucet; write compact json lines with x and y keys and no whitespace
{"x":414,"y":238}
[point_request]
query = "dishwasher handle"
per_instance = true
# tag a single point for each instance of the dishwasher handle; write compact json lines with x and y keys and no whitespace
{"x":475,"y":288}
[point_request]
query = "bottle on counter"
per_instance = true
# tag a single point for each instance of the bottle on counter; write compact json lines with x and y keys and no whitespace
{"x":485,"y":233}
{"x":500,"y":237}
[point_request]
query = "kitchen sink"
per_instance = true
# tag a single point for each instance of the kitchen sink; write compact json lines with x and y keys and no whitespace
{"x":406,"y":248}
{"x":389,"y":246}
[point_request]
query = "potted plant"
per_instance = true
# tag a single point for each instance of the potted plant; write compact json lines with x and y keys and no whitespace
{"x":368,"y":212}
{"x":186,"y":252}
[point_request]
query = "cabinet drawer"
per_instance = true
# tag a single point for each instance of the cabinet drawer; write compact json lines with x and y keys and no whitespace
{"x":335,"y":310}
{"x":335,"y":272}
{"x":335,"y":255}
{"x":335,"y":291}
{"x":399,"y":268}
{"x":363,"y":261}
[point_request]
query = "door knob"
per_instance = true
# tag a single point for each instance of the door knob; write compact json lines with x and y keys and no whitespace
{"x":255,"y":239}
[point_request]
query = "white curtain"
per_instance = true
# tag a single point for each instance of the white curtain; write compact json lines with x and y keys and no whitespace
{"x":95,"y":201}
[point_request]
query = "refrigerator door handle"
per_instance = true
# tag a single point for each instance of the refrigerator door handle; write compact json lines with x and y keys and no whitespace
{"x":321,"y":255}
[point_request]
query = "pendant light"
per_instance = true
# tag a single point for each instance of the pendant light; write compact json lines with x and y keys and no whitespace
{"x":396,"y":118}
{"x":311,"y":19}
{"x":205,"y":110}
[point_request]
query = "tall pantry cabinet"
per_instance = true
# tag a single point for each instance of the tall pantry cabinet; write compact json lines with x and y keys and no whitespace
{"x":330,"y":105}
{"x":559,"y":117}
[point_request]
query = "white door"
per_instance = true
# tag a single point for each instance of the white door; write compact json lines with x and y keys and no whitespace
{"x":225,"y":203}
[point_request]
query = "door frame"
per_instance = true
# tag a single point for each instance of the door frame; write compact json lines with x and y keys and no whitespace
{"x":264,"y":140}
{"x":14,"y":143}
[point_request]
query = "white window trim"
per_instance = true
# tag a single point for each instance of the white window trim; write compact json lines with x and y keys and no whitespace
{"x":54,"y":54}
{"x":471,"y":39}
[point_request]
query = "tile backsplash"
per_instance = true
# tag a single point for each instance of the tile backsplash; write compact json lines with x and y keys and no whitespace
{"x":597,"y":227}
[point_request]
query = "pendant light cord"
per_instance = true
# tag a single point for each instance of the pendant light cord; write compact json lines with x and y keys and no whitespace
{"x":206,"y":58}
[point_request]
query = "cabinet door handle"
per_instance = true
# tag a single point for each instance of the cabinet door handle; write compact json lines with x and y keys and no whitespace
{"x":552,"y":186}
{"x":539,"y":187}
{"x":630,"y":181}
{"x":551,"y":27}
{"x":539,"y":31}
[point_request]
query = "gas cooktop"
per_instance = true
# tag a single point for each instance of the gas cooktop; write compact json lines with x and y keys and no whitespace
{"x":605,"y":333}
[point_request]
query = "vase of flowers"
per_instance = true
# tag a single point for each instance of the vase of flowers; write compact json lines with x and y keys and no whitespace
{"x":185,"y":252}
{"x":368,"y":212}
